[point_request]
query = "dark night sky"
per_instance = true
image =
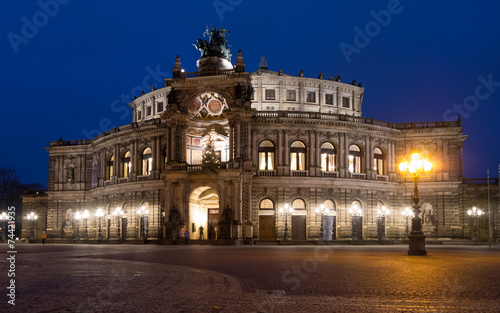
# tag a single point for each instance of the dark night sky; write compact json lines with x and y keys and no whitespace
{"x":68,"y":75}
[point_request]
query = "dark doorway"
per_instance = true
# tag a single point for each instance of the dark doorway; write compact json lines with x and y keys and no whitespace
{"x":267,"y":227}
{"x":213,"y":220}
{"x":357,"y":228}
{"x":298,"y":227}
{"x":124,"y":228}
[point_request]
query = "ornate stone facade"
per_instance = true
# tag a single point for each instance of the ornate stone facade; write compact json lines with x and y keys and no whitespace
{"x":281,"y":140}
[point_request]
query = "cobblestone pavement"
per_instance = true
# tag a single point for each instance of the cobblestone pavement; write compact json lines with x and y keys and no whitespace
{"x":131,"y":278}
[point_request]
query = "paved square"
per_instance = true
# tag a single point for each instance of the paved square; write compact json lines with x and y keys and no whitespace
{"x":148,"y":278}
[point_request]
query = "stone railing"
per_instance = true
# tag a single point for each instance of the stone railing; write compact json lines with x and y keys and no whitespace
{"x":207,"y":73}
{"x":300,"y":173}
{"x":382,"y":178}
{"x":202,"y":167}
{"x":358,"y":175}
{"x":355,"y":119}
{"x":329,"y":174}
{"x":266,"y":173}
{"x":481,"y":181}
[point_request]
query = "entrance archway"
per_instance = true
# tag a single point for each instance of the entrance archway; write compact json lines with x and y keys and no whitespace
{"x":203,"y":212}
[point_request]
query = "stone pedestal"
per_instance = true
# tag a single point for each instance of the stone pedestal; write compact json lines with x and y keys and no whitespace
{"x":236,"y":232}
{"x":248,"y":230}
{"x":225,"y":230}
{"x":172,"y":231}
{"x":417,"y":245}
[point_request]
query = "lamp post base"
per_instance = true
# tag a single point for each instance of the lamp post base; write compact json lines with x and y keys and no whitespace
{"x":416,"y":245}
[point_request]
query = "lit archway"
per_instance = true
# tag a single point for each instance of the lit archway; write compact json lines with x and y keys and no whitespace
{"x":204,"y":212}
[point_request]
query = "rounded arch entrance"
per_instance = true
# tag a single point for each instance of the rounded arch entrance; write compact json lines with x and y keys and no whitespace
{"x":204,"y":212}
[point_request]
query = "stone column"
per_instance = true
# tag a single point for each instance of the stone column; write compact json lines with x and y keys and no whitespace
{"x":231,"y":142}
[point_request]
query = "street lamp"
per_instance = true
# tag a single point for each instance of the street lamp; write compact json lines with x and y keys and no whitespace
{"x":381,"y":217}
{"x":99,"y":213}
{"x":118,"y":213}
{"x":474,"y":213}
{"x":320,"y":211}
{"x":4,"y":217}
{"x":85,"y":216}
{"x":32,"y":218}
{"x":406,"y":213}
{"x":415,"y":169}
{"x":356,"y":214}
{"x":287,"y":209}
{"x":78,"y":216}
{"x":143,"y":213}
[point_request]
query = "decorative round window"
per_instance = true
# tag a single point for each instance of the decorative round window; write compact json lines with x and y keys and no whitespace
{"x":208,"y":104}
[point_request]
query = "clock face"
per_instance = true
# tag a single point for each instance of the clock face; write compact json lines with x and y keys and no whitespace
{"x":208,"y":104}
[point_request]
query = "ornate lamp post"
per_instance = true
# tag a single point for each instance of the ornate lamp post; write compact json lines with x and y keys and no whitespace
{"x":287,"y":209}
{"x":99,"y":213}
{"x":415,"y":169}
{"x":32,"y":218}
{"x":3,"y":218}
{"x":355,"y":212}
{"x":321,"y":211}
{"x":143,"y":214}
{"x":118,"y":213}
{"x":381,"y":217}
{"x":474,"y":213}
{"x":78,"y":217}
{"x":406,"y":213}
{"x":85,"y":216}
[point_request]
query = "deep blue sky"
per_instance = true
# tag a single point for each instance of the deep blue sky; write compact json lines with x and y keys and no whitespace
{"x":64,"y":80}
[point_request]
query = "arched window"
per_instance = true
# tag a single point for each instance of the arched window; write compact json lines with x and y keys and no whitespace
{"x":266,"y":155}
{"x":109,"y":167}
{"x":266,"y":204}
{"x":126,"y":164}
{"x":147,"y":161}
{"x":354,"y":159}
{"x":330,"y":205}
{"x":298,"y":156}
{"x":298,"y":204}
{"x":378,"y":161}
{"x":328,"y":157}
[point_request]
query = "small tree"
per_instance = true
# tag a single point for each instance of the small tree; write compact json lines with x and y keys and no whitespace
{"x":209,"y":154}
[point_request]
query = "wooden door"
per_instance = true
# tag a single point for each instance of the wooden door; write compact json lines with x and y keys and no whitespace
{"x":267,"y":229}
{"x":213,"y":220}
{"x":124,"y":228}
{"x":298,"y":227}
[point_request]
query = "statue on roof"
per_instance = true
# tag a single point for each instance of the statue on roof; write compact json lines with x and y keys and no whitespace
{"x":216,"y":44}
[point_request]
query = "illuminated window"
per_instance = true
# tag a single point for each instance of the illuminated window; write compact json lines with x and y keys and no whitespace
{"x":354,"y":159}
{"x":327,"y":157}
{"x":311,"y":96}
{"x":298,"y":204}
{"x":126,"y":164}
{"x":346,"y":103}
{"x":266,"y":204}
{"x":328,"y":98}
{"x":330,"y":205}
{"x":298,"y":156}
{"x":270,"y":94}
{"x":266,"y":155}
{"x":378,"y":161}
{"x":109,"y":167}
{"x":147,"y":161}
{"x":290,"y":95}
